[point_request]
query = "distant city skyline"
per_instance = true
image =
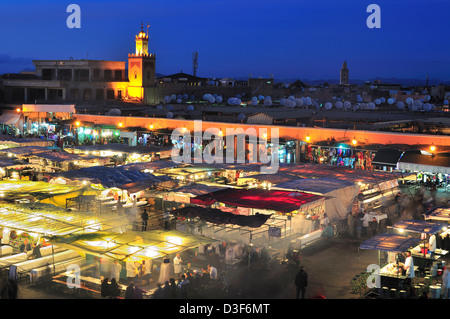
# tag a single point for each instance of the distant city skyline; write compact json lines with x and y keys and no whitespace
{"x":291,"y":40}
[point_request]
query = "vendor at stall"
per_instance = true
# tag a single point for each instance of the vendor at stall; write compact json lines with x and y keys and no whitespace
{"x":432,"y":244}
{"x":409,"y":268}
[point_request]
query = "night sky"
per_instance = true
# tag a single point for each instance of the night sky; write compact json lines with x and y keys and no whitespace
{"x":290,"y":39}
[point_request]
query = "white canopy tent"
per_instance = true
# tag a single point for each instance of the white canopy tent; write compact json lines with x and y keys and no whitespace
{"x":339,"y":194}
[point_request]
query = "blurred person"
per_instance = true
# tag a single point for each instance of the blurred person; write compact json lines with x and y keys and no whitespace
{"x":301,"y":282}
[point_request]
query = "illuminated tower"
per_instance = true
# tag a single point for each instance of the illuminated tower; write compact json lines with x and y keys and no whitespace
{"x":141,"y":67}
{"x":344,"y":74}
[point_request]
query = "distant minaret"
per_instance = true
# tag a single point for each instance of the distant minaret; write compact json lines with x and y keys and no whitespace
{"x":194,"y":63}
{"x":344,"y":74}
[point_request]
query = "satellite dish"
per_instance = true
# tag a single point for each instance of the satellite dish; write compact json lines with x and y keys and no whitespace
{"x":418,"y":104}
{"x":114,"y":112}
{"x":241,"y":117}
{"x":179,"y":101}
{"x":328,"y":106}
{"x":268,"y":102}
{"x":371,"y":106}
{"x":400,"y":105}
{"x":377,"y":101}
{"x":299,"y":102}
{"x":391,"y":101}
{"x":409,"y":101}
{"x":169,"y":115}
{"x":383,"y":100}
{"x":159,"y":107}
{"x":173,"y":97}
{"x":347,"y":104}
{"x":167,"y":99}
{"x":190,"y":108}
{"x":169,"y":107}
{"x":445,"y":102}
{"x":219,"y":99}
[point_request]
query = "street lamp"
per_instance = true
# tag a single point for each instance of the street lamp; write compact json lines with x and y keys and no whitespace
{"x":432,"y":148}
{"x":307,"y":138}
{"x":354,"y":142}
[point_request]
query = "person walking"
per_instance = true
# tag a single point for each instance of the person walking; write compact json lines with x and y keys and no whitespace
{"x":177,"y":265}
{"x":446,"y":283}
{"x":129,"y":292}
{"x":301,"y":282}
{"x":144,"y":217}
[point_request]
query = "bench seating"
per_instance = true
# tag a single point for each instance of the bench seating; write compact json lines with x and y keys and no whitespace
{"x":21,"y":268}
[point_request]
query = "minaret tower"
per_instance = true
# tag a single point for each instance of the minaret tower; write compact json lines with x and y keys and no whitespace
{"x":141,"y":67}
{"x":343,"y":79}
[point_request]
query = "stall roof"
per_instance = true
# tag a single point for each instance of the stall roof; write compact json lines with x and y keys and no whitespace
{"x":275,"y":179}
{"x":197,"y":189}
{"x":131,"y":246}
{"x":63,"y":156}
{"x":425,"y":162}
{"x":387,"y":156}
{"x":418,"y":226}
{"x":439,"y":213}
{"x":245,"y":167}
{"x":281,"y":201}
{"x":110,"y":177}
{"x":316,"y":185}
{"x":46,"y":219}
{"x":339,"y":172}
{"x":390,"y":242}
{"x":25,"y":150}
{"x":217,"y":216}
{"x":23,"y":141}
{"x":40,"y":190}
{"x":123,"y":148}
{"x":10,"y":118}
{"x":153,"y":165}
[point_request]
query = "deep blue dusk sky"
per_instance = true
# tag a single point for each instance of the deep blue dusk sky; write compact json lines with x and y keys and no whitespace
{"x":289,"y":39}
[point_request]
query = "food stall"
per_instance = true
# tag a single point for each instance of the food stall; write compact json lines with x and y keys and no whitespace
{"x":391,"y":273}
{"x":423,"y":230}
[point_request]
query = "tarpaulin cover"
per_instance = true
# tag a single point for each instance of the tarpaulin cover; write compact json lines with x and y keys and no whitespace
{"x":123,"y":148}
{"x":46,"y":219}
{"x":217,"y":216}
{"x":153,"y":165}
{"x":340,"y":193}
{"x":281,"y":201}
{"x":339,"y":172}
{"x":197,"y":189}
{"x":418,"y":226}
{"x":131,"y":246}
{"x":390,"y":242}
{"x":25,"y":150}
{"x":439,"y":213}
{"x":110,"y":177}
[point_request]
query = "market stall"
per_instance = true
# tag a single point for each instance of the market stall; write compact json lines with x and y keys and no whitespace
{"x":426,"y":232}
{"x":21,"y":191}
{"x":299,"y":211}
{"x":339,"y":195}
{"x":130,"y":246}
{"x":123,"y":153}
{"x":391,"y":272}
